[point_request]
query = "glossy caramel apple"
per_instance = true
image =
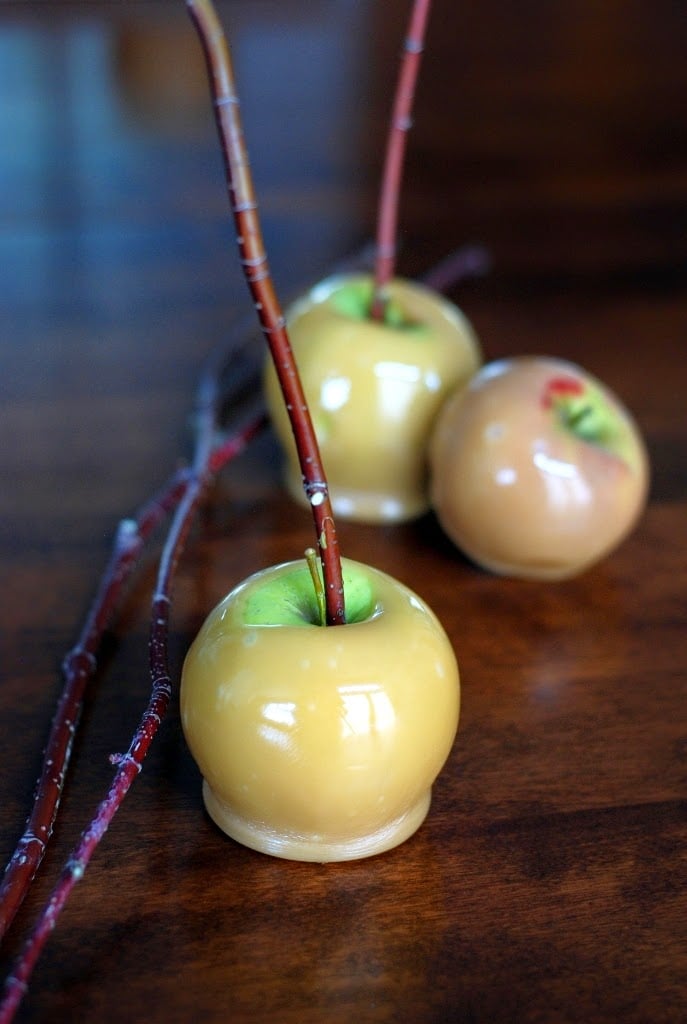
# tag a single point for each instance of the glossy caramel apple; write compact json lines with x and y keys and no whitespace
{"x":537,"y":469}
{"x":373,"y":389}
{"x":319,"y":743}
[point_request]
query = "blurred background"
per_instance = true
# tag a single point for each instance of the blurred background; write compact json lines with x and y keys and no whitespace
{"x":553,"y":133}
{"x":552,"y":126}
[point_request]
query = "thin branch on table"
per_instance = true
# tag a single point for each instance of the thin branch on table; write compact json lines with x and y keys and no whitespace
{"x":78,"y":669}
{"x":79,"y":665}
{"x":207,"y":458}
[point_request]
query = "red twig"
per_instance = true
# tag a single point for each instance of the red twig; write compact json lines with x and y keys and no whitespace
{"x":80,"y":663}
{"x":257,"y":273}
{"x":78,"y":668}
{"x":467,"y":261}
{"x":207,"y":458}
{"x":387,"y":215}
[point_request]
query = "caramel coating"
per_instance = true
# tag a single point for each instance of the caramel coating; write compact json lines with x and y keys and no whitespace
{"x":373,"y":391}
{"x":517,"y":490}
{"x":321,"y":743}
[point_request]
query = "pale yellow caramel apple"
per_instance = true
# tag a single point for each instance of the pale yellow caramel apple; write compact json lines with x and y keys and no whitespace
{"x":374,"y":390}
{"x":319,"y":743}
{"x":537,"y":469}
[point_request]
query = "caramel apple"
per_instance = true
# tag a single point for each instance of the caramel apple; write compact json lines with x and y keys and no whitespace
{"x":320,"y":699}
{"x":537,"y":469}
{"x":319,"y":743}
{"x":373,"y":389}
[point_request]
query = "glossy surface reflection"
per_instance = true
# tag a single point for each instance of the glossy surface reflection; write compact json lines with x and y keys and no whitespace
{"x":320,"y":743}
{"x":374,"y":391}
{"x":514,"y":485}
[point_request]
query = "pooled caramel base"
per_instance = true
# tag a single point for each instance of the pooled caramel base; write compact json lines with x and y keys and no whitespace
{"x":542,"y":570}
{"x":257,"y":835}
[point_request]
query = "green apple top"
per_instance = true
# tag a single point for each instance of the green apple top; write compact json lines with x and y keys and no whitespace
{"x":374,"y":390}
{"x":319,"y":743}
{"x":538,"y":470}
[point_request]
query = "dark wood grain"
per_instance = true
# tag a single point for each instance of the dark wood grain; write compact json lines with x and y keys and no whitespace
{"x":548,"y":883}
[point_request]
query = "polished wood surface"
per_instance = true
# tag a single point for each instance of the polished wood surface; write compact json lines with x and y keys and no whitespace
{"x":548,"y":882}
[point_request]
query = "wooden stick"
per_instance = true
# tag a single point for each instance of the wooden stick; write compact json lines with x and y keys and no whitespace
{"x":387,"y":215}
{"x":258,"y":277}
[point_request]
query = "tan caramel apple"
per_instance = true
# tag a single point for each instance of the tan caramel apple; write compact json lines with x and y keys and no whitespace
{"x":537,"y":469}
{"x":319,"y":743}
{"x":374,"y":389}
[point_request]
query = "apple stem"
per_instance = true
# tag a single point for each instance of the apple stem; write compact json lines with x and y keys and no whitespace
{"x":312,"y":560}
{"x":258,"y":277}
{"x":387,"y":215}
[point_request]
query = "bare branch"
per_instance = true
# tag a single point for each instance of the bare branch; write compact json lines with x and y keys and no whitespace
{"x":387,"y":215}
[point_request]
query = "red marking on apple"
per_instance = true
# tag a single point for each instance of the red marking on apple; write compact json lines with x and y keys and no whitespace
{"x":531,"y":489}
{"x":559,"y":387}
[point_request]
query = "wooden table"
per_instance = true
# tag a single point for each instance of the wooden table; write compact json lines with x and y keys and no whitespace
{"x":548,"y":882}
